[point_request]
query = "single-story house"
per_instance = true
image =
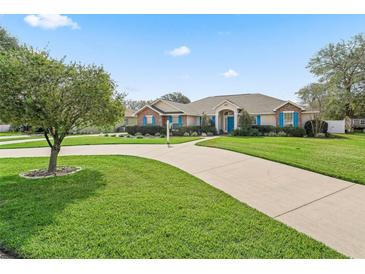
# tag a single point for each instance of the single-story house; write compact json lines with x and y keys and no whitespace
{"x":224,"y":112}
{"x":129,"y":118}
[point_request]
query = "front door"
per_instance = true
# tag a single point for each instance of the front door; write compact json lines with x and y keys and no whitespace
{"x":230,"y":124}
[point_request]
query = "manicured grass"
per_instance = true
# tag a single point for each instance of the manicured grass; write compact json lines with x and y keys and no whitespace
{"x":130,"y":207}
{"x":11,"y":133}
{"x":342,"y":157}
{"x":99,"y":140}
{"x":19,"y":138}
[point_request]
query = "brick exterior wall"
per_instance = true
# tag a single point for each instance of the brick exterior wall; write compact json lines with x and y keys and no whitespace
{"x":148,"y":111}
{"x":159,"y":120}
{"x":289,"y":107}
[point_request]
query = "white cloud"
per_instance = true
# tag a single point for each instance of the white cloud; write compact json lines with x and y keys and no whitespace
{"x":50,"y":21}
{"x":180,"y":51}
{"x":230,"y":73}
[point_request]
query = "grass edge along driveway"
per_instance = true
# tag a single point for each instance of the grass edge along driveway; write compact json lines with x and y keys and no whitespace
{"x":342,"y":157}
{"x":131,"y":207}
{"x":101,"y":140}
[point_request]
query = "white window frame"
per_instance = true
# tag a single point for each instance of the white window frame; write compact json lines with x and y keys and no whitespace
{"x":292,"y":118}
{"x":149,"y":119}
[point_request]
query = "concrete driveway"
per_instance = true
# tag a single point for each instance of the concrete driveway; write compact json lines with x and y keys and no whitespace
{"x":329,"y":210}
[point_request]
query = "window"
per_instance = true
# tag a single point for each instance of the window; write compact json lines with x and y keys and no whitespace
{"x":288,"y":118}
{"x":149,"y":119}
{"x":362,"y":122}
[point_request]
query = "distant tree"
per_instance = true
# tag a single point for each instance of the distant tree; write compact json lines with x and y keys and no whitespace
{"x":7,"y":42}
{"x":136,"y":104}
{"x":315,"y":95}
{"x":177,"y":97}
{"x":342,"y":67}
{"x":57,"y":97}
{"x":245,"y":120}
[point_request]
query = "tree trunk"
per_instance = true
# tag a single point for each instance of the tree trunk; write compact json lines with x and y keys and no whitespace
{"x":52,"y":166}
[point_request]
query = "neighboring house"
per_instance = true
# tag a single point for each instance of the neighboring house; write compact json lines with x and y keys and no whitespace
{"x":224,"y":112}
{"x":129,"y":118}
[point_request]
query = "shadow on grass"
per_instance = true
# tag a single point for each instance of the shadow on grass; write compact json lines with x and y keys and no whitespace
{"x":27,"y":206}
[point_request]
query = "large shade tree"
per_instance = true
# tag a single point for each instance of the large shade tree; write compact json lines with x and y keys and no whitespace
{"x":342,"y":67}
{"x":43,"y":92}
{"x":177,"y":97}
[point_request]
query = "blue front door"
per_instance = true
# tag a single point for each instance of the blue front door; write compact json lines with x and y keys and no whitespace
{"x":230,"y":124}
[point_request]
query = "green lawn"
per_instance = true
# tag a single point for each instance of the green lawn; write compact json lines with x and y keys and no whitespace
{"x":99,"y":140}
{"x":342,"y":157}
{"x":130,"y":207}
{"x":11,"y":133}
{"x":19,"y":138}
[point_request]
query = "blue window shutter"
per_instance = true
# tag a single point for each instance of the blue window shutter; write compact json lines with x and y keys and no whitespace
{"x":213,"y":120}
{"x":153,"y":120}
{"x":258,"y":120}
{"x":200,"y":120}
{"x":180,"y":121}
{"x":144,"y":120}
{"x":281,"y":119}
{"x":295,"y":119}
{"x":170,"y":119}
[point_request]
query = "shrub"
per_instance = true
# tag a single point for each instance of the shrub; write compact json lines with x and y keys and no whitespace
{"x":294,"y":131}
{"x":138,"y":134}
{"x":139,"y":137}
{"x":152,"y":130}
{"x":272,"y":134}
{"x":265,"y":129}
{"x":309,"y":124}
{"x":210,"y":133}
{"x":194,"y":133}
{"x":204,"y":134}
{"x":157,"y":134}
{"x":147,"y":135}
{"x":254,"y":132}
{"x":281,"y":134}
{"x":241,"y":132}
{"x":106,"y":135}
{"x":190,"y":129}
{"x":112,"y":135}
{"x":186,"y":134}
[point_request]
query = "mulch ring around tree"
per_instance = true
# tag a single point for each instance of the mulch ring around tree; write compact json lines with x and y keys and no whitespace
{"x":43,"y":173}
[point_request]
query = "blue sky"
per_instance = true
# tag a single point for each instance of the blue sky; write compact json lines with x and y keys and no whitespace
{"x":219,"y":54}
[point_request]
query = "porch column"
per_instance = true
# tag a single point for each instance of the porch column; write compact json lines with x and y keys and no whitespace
{"x":235,"y":113}
{"x":217,"y":121}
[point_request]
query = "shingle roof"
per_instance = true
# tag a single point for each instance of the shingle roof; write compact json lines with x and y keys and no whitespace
{"x":251,"y":102}
{"x":129,"y":112}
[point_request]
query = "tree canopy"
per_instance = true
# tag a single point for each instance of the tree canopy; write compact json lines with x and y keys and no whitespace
{"x":341,"y":66}
{"x":7,"y":42}
{"x":43,"y":92}
{"x":177,"y":97}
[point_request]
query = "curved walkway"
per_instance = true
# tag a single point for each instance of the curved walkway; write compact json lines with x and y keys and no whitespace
{"x":329,"y":210}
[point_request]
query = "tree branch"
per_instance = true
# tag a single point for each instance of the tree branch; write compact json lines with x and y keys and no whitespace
{"x":47,"y":138}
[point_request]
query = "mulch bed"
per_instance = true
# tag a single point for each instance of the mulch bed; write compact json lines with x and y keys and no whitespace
{"x":43,"y":173}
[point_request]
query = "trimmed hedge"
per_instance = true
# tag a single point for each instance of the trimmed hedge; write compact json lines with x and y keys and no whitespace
{"x":152,"y":130}
{"x":309,"y":130}
{"x":266,"y":130}
{"x":198,"y":129}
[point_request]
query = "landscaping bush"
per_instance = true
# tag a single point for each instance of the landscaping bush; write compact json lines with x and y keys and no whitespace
{"x":294,"y":131}
{"x":272,"y":134}
{"x":204,"y":134}
{"x":152,"y":130}
{"x":157,"y":134}
{"x":281,"y":134}
{"x":244,"y":132}
{"x":186,"y":134}
{"x":194,"y":134}
{"x":198,"y":129}
{"x":309,"y":130}
{"x":210,"y":133}
{"x":264,"y":129}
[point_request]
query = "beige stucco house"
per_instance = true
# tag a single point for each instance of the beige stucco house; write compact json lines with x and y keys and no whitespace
{"x":224,"y":112}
